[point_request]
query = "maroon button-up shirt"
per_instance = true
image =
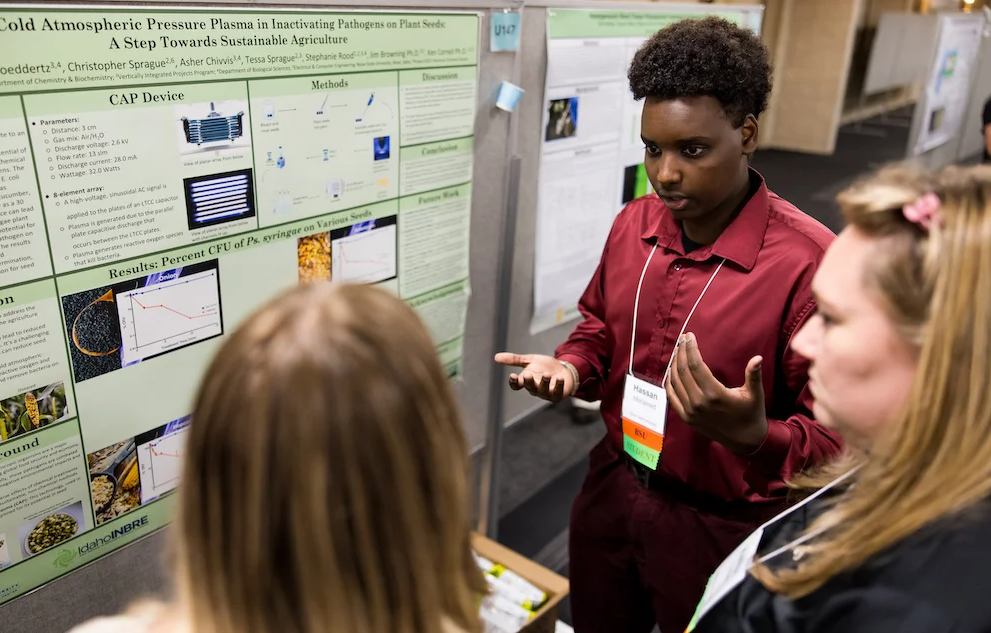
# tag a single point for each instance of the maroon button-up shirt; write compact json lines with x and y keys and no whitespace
{"x":756,"y":303}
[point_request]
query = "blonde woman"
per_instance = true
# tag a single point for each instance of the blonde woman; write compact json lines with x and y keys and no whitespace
{"x":900,"y":353}
{"x":325,"y":480}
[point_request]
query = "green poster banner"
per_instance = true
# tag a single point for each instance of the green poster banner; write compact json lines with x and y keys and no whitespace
{"x":10,"y":108}
{"x":49,"y":49}
{"x":578,"y":23}
{"x":26,"y":293}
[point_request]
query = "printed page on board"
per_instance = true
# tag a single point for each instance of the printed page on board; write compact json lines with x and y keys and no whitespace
{"x":950,"y":78}
{"x":591,"y":156}
{"x":164,"y":172}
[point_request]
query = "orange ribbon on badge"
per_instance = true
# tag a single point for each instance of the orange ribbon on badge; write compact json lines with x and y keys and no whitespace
{"x":643,"y":435}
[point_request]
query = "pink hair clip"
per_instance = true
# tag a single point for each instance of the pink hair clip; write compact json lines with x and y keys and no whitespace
{"x":925,"y":212}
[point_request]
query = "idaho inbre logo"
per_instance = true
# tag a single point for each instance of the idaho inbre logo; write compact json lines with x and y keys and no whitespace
{"x":64,"y":558}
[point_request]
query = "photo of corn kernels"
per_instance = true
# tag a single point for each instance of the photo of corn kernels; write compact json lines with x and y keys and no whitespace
{"x":313,"y":253}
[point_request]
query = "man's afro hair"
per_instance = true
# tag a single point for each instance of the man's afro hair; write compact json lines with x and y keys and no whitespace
{"x":705,"y":57}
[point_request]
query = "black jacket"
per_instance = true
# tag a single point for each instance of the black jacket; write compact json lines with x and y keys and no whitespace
{"x":936,"y":581}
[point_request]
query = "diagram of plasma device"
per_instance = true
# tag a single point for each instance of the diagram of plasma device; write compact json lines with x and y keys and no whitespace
{"x":213,"y":128}
{"x":171,"y":311}
{"x":220,"y":198}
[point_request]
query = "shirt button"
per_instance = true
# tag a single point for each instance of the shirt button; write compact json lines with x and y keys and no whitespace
{"x":661,"y":323}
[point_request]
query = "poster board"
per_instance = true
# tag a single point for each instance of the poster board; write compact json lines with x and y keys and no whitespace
{"x":149,"y":202}
{"x":971,"y":143}
{"x":942,"y":108}
{"x":591,"y":155}
{"x":901,"y":51}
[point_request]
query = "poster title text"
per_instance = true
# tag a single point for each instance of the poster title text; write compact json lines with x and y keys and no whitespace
{"x":148,"y":33}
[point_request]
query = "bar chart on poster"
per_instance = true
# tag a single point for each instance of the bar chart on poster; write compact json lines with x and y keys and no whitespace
{"x":163,"y":173}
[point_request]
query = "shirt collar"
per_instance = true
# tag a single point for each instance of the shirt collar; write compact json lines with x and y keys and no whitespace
{"x":740,"y":242}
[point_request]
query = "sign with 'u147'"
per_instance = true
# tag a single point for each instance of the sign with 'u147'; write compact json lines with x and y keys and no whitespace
{"x":505,"y":31}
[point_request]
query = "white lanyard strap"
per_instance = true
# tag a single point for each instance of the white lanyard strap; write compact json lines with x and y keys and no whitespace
{"x":636,"y":306}
{"x":636,"y":309}
{"x":811,"y":535}
{"x":685,"y":324}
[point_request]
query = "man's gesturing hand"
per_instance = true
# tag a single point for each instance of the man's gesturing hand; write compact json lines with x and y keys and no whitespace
{"x":543,"y":376}
{"x":734,"y":417}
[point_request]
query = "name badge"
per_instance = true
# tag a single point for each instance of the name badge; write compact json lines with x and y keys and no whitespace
{"x":728,"y":576}
{"x":645,"y":410}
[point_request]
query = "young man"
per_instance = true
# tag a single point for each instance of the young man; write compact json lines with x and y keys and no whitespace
{"x":690,"y":465}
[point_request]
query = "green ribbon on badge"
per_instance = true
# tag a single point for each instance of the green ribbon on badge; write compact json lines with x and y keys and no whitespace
{"x":643,"y":454}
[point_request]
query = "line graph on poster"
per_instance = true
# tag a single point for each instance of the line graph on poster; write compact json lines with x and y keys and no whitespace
{"x":364,"y":252}
{"x":170,"y":311}
{"x":160,"y":459}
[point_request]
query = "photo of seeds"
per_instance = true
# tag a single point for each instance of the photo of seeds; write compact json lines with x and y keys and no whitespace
{"x":53,"y":528}
{"x":93,"y":332}
{"x":114,"y":480}
{"x":313,"y":254}
{"x":32,"y":410}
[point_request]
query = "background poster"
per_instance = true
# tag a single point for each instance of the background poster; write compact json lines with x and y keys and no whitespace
{"x":163,"y":173}
{"x":945,"y":99}
{"x":591,"y":159}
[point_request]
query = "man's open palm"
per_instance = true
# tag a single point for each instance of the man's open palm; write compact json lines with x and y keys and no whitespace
{"x":543,"y":376}
{"x":732,"y":416}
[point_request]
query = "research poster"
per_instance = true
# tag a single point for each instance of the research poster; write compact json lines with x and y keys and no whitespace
{"x":947,"y":93}
{"x":163,"y":173}
{"x":591,"y":158}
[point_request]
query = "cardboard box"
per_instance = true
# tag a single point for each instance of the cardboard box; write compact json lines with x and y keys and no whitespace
{"x":555,"y":586}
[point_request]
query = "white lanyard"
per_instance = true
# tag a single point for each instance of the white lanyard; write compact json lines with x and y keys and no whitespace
{"x":733,"y":571}
{"x":636,"y":308}
{"x":811,"y":535}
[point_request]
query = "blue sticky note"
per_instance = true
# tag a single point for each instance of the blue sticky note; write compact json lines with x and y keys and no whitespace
{"x":505,"y":32}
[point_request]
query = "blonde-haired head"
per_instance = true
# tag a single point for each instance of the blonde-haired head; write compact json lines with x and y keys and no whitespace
{"x":935,"y":285}
{"x":325,"y":485}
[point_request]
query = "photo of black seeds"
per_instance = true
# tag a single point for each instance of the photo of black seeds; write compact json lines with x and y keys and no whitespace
{"x":94,"y":332}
